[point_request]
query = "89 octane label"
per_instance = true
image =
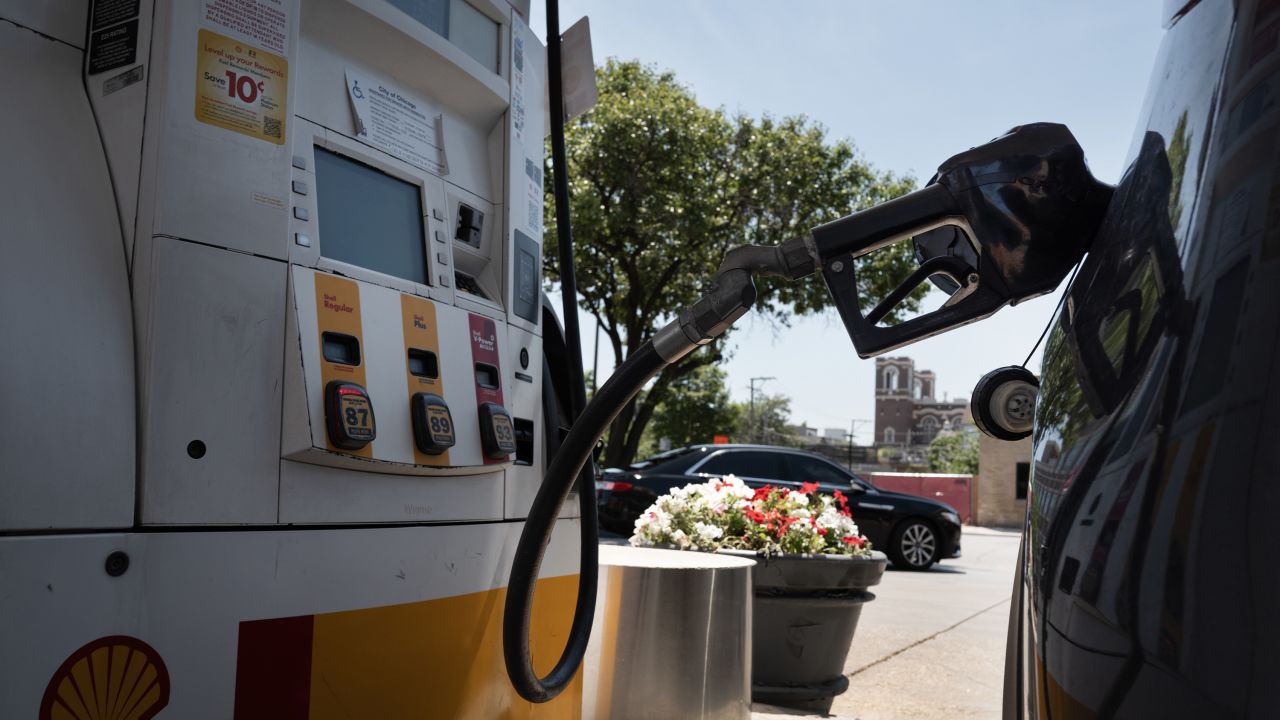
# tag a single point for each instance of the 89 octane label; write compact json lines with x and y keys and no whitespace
{"x":441,"y":427}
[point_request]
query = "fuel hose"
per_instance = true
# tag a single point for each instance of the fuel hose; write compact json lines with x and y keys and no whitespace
{"x":570,"y":458}
{"x":569,"y":461}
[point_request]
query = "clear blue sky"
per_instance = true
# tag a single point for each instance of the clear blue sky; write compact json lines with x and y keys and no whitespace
{"x":910,"y":83}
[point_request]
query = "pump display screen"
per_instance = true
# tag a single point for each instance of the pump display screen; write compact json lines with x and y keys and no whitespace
{"x":459,"y":23}
{"x":370,"y":219}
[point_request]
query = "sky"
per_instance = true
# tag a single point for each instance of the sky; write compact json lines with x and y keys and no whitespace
{"x":910,"y":83}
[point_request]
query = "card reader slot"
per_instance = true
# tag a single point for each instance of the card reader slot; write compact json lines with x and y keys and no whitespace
{"x":423,"y":364}
{"x":340,"y":348}
{"x":486,"y":376}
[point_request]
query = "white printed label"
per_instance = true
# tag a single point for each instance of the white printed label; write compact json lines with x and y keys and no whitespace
{"x":263,"y":22}
{"x":391,"y":121}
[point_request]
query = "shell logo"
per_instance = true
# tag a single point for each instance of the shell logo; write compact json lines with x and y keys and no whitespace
{"x":111,"y":678}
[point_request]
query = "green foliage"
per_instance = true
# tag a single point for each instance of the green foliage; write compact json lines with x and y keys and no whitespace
{"x":662,"y":187}
{"x":765,"y":423}
{"x":696,"y":409}
{"x":952,"y":452}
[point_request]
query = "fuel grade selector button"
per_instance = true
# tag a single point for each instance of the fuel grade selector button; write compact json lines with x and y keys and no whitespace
{"x":432,"y":423}
{"x":348,"y":415}
{"x":497,"y":434}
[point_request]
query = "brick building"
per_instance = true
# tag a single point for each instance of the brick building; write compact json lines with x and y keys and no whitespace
{"x":908,"y":415}
{"x":1000,"y":494}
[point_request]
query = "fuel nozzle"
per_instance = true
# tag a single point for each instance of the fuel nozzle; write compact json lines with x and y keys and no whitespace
{"x":998,"y":224}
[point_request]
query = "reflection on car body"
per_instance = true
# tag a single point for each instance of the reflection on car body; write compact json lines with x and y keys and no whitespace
{"x":1144,"y":588}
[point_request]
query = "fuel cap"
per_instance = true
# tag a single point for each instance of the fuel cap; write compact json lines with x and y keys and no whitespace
{"x":1004,"y":403}
{"x":348,"y":415}
{"x":497,"y":435}
{"x":432,"y":423}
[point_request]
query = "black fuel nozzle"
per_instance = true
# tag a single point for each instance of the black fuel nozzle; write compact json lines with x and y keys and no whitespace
{"x":998,"y":224}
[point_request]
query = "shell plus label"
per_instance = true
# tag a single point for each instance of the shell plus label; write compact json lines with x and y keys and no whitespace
{"x":422,"y":342}
{"x":241,"y":88}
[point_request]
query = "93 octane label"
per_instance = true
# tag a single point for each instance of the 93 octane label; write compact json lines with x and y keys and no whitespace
{"x":505,"y":435}
{"x":240,"y":87}
{"x":357,"y":419}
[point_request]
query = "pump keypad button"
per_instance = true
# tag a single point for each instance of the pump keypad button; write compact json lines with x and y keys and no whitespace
{"x":432,"y":423}
{"x":497,"y":434}
{"x":348,"y":415}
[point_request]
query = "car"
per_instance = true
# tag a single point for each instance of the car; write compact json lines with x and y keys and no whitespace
{"x":914,"y":532}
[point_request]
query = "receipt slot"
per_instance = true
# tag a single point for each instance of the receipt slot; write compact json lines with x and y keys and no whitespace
{"x":497,"y":434}
{"x":432,"y":423}
{"x":348,"y":415}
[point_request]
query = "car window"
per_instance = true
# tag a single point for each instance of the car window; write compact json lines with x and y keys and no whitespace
{"x":672,"y":461}
{"x":807,"y":469}
{"x":745,"y":463}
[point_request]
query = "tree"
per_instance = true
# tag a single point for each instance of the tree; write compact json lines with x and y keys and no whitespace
{"x":952,"y":452}
{"x":696,"y":408}
{"x":662,"y":187}
{"x":766,"y":422}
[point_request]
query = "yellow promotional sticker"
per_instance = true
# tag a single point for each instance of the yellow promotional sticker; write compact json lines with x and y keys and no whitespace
{"x":240,"y":87}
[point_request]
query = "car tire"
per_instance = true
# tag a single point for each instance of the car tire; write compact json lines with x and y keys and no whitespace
{"x":914,"y":545}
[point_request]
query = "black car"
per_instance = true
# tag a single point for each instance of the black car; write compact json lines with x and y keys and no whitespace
{"x":914,"y":532}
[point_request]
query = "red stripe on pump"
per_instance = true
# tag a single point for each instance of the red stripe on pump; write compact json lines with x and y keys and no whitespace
{"x":273,"y":669}
{"x":484,"y":349}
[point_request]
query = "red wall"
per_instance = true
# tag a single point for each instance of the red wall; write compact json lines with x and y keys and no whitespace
{"x":954,"y":490}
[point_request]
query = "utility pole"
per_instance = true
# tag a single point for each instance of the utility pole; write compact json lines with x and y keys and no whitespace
{"x":853,"y":429}
{"x":754,"y":380}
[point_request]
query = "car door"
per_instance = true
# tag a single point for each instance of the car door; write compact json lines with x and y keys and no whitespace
{"x":874,"y":514}
{"x":874,"y":520}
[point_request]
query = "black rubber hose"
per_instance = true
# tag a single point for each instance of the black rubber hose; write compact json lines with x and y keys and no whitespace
{"x":574,"y":453}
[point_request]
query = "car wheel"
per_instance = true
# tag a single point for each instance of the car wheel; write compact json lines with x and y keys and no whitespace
{"x":914,"y":545}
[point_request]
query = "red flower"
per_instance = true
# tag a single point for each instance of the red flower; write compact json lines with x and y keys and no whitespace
{"x":784,"y":526}
{"x":808,"y":487}
{"x":843,"y":502}
{"x":854,"y":540}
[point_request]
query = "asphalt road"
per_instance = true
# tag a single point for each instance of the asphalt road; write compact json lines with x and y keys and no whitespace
{"x":931,"y":645}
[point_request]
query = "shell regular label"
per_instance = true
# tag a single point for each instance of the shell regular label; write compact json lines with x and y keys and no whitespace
{"x":240,"y":87}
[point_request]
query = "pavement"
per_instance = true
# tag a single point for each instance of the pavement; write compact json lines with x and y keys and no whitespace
{"x":931,"y":645}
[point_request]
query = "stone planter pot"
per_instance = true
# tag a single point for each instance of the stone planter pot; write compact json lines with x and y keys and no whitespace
{"x":806,"y":611}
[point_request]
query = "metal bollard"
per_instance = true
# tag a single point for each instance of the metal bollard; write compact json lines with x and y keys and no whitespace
{"x":672,"y":637}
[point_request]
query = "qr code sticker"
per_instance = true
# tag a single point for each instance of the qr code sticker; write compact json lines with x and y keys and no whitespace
{"x":535,"y":216}
{"x":271,"y":127}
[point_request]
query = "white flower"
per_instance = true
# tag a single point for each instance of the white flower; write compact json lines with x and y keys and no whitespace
{"x":707,"y":534}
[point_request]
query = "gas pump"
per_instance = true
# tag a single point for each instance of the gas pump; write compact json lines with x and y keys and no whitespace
{"x":279,"y":411}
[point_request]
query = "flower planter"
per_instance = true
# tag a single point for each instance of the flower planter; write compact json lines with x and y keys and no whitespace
{"x":806,"y":611}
